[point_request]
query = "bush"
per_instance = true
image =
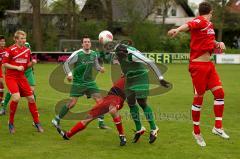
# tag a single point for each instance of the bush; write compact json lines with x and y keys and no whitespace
{"x":150,"y":37}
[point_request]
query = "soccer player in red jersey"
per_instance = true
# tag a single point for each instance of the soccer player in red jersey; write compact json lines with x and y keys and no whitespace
{"x":2,"y":51}
{"x":111,"y":103}
{"x":202,"y":70}
{"x":16,"y":60}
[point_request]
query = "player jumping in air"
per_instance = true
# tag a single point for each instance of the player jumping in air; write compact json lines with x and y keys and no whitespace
{"x":31,"y":80}
{"x":202,"y":70}
{"x":83,"y":83}
{"x":137,"y":86}
{"x":16,"y":60}
{"x":111,"y":103}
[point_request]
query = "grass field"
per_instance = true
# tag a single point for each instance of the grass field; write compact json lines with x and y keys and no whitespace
{"x":173,"y":118}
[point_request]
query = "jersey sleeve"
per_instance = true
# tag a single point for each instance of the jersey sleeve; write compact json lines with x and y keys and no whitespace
{"x":195,"y":24}
{"x":97,"y":64}
{"x":138,"y":57}
{"x":71,"y":60}
{"x":7,"y":56}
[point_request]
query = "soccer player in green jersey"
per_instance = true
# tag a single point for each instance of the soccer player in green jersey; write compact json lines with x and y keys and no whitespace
{"x":83,"y":83}
{"x":137,"y":86}
{"x":31,"y":80}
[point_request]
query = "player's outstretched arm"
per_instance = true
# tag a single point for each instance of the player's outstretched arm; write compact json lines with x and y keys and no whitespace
{"x":137,"y":56}
{"x":182,"y":28}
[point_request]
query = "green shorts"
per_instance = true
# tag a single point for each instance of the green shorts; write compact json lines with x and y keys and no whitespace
{"x":78,"y":90}
{"x":30,"y":77}
{"x":139,"y":86}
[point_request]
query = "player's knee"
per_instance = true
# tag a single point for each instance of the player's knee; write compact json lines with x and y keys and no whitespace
{"x":142,"y":103}
{"x":71,"y":103}
{"x":16,"y":97}
{"x":112,"y":110}
{"x":31,"y":99}
{"x":131,"y":102}
{"x":218,"y":94}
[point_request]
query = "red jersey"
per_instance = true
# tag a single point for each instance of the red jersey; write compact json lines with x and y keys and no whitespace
{"x":2,"y":52}
{"x":202,"y":37}
{"x":18,"y":57}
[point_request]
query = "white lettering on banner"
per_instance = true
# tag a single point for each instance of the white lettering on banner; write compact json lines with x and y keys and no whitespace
{"x":228,"y":59}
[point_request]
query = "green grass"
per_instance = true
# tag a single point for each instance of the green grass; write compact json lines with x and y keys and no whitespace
{"x":173,"y":118}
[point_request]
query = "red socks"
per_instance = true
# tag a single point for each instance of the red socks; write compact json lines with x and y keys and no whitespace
{"x":78,"y":127}
{"x":218,"y":107}
{"x":196,"y":108}
{"x":118,"y":123}
{"x":33,"y":109}
{"x":13,"y":108}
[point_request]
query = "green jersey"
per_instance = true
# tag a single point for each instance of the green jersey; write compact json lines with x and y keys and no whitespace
{"x":29,"y":72}
{"x":130,"y":68}
{"x":83,"y":64}
{"x":132,"y":64}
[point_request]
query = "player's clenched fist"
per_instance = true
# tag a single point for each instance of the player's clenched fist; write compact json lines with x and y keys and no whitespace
{"x":20,"y":68}
{"x":173,"y":32}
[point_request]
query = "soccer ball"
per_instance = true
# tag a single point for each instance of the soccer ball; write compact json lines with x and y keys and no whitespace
{"x":105,"y":37}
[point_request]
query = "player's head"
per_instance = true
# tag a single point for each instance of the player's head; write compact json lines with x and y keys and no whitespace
{"x":86,"y":42}
{"x":20,"y":37}
{"x":205,"y":8}
{"x":2,"y":41}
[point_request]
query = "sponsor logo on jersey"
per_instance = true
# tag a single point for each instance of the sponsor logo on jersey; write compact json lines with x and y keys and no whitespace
{"x":20,"y":60}
{"x":210,"y":31}
{"x":6,"y":54}
{"x":197,"y":20}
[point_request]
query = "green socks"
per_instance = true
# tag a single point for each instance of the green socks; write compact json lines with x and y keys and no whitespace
{"x":6,"y":100}
{"x":62,"y":113}
{"x":149,"y":116}
{"x":134,"y":111}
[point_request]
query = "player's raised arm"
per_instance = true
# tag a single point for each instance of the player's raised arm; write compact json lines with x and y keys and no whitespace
{"x":71,"y":60}
{"x":182,"y":28}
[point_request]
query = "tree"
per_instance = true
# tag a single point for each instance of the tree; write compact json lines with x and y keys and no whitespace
{"x":165,"y":6}
{"x":107,"y":9}
{"x":37,"y":25}
{"x":219,"y":17}
{"x":70,"y":8}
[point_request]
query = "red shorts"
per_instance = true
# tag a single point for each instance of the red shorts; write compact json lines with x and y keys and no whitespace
{"x":204,"y":76}
{"x":18,"y":85}
{"x":103,"y":107}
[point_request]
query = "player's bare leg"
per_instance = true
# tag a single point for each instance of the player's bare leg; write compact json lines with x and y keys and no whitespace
{"x":34,"y":111}
{"x":64,"y":110}
{"x":33,"y":90}
{"x":218,"y":94}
